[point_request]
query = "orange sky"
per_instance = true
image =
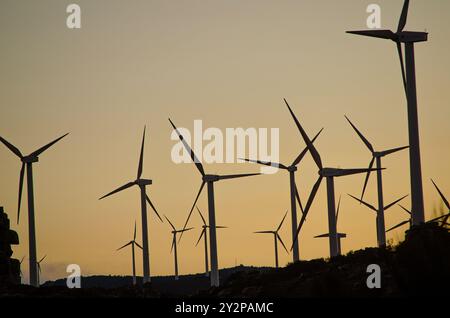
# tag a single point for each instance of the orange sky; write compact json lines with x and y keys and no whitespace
{"x":228,"y":63}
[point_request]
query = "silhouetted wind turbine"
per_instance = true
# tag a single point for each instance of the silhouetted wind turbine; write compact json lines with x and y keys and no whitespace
{"x":445,"y":216}
{"x":293,"y":192}
{"x":277,"y":238}
{"x":20,"y":264}
{"x":376,"y":156}
{"x":329,"y":174}
{"x":39,"y":270}
{"x":409,"y":221}
{"x":409,"y":82}
{"x":141,"y":183}
{"x":174,"y":244}
{"x":379,"y":227}
{"x":204,"y":234}
{"x":27,"y":161}
{"x":209,"y":179}
{"x":132,"y":243}
{"x":339,"y":235}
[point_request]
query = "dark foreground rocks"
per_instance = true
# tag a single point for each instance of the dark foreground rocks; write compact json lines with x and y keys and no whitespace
{"x":9,"y":267}
{"x":419,"y":266}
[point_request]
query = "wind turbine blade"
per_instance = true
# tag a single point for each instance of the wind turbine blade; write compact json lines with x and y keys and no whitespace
{"x":338,"y":206}
{"x":192,"y":209}
{"x":398,"y":225}
{"x":201,"y":215}
{"x":173,"y":227}
{"x":194,"y":158}
{"x":174,"y":241}
{"x":266,"y":163}
{"x":308,"y":142}
{"x":281,"y":223}
{"x":201,"y":235}
{"x":153,"y":208}
{"x":125,"y":186}
{"x":303,"y":153}
{"x":141,"y":156}
{"x":395,"y":202}
{"x":263,"y":232}
{"x":185,"y":230}
{"x":137,"y":244}
{"x":365,"y":203}
{"x":234,"y":176}
{"x":298,"y":199}
{"x":282,"y":243}
{"x":322,"y":235}
{"x":11,"y":147}
{"x":403,"y":16}
{"x":361,"y":136}
{"x":221,"y":227}
{"x":381,"y":34}
{"x":124,"y":246}
{"x":402,"y":65}
{"x":22,"y":171}
{"x":445,"y":216}
{"x":22,"y":259}
{"x":42,"y":259}
{"x":405,"y":209}
{"x":388,"y":152}
{"x":307,"y":207}
{"x":366,"y":180}
{"x":42,"y":149}
{"x":442,"y":195}
{"x":348,"y":172}
{"x":134,"y":235}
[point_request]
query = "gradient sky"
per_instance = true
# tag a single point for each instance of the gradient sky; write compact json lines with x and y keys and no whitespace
{"x":229,"y":63}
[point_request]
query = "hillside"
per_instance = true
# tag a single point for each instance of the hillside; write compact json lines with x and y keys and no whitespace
{"x":418,"y":266}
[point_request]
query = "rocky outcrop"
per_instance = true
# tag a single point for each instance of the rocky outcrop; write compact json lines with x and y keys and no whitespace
{"x":9,"y":267}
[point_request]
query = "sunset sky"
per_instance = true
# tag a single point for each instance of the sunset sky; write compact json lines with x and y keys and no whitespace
{"x":228,"y":63}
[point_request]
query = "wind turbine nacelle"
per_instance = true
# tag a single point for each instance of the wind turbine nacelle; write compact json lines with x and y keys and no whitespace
{"x":30,"y":159}
{"x":408,"y":36}
{"x":211,"y":178}
{"x":143,"y":182}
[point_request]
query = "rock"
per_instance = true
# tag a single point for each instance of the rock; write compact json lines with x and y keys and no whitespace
{"x":9,"y":267}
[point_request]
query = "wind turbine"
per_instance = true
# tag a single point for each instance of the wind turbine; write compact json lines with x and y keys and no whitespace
{"x":380,"y":226}
{"x":293,"y":192}
{"x":39,"y":269}
{"x":329,"y":174}
{"x":339,"y":235}
{"x":27,"y":162}
{"x":276,"y":238}
{"x":204,"y":234}
{"x":132,"y":243}
{"x":20,"y":267}
{"x":376,"y":156}
{"x":445,"y":216}
{"x":409,"y":221}
{"x":409,"y":83}
{"x":209,"y":179}
{"x":141,"y":183}
{"x":174,"y":244}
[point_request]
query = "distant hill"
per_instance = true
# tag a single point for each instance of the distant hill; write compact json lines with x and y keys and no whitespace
{"x":187,"y":285}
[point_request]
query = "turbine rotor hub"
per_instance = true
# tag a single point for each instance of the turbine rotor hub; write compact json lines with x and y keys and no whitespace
{"x":28,"y":159}
{"x":210,"y":178}
{"x":143,"y":182}
{"x":292,"y":168}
